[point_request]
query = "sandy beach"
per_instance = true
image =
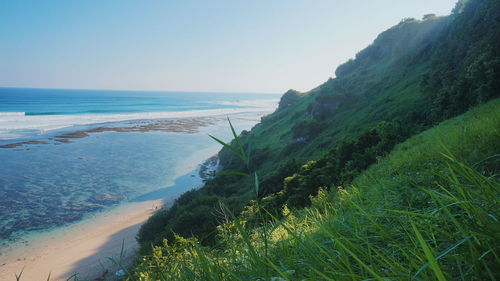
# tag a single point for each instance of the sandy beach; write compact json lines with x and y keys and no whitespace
{"x":84,"y":249}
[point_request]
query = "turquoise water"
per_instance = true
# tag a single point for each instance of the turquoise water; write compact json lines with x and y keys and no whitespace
{"x":43,"y":186}
{"x":64,"y":102}
{"x":31,"y":112}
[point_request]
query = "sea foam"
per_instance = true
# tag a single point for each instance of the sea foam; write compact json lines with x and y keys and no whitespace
{"x":16,"y":124}
{"x":12,"y":114}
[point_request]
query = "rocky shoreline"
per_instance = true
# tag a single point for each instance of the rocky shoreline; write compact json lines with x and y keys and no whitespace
{"x":16,"y":144}
{"x":209,"y":168}
{"x":181,"y":125}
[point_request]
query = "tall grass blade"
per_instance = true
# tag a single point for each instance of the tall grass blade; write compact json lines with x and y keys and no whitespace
{"x":18,"y":277}
{"x":74,"y":277}
{"x":228,"y":146}
{"x":238,"y":142}
{"x":442,"y":254}
{"x":428,"y":254}
{"x":360,"y":262}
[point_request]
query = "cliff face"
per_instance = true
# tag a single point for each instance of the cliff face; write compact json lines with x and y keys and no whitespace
{"x":412,"y":76}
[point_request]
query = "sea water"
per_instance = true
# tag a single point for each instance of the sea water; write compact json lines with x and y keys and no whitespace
{"x":28,"y":112}
{"x":52,"y":184}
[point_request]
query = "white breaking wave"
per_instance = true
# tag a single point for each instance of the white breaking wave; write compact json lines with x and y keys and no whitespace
{"x":252,"y":103}
{"x":11,"y":114}
{"x":17,"y":125}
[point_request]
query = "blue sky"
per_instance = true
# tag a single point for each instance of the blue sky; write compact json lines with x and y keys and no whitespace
{"x":186,"y":45}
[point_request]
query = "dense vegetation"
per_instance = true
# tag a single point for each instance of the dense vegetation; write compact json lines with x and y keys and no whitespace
{"x":428,"y":211}
{"x":350,"y":180}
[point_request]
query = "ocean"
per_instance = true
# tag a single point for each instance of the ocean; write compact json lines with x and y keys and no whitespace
{"x":28,"y":112}
{"x":67,"y":155}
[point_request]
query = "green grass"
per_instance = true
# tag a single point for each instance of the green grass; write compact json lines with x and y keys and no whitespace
{"x":428,"y":211}
{"x":417,"y":73}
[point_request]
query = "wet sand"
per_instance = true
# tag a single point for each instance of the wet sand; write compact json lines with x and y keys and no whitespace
{"x":84,"y":249}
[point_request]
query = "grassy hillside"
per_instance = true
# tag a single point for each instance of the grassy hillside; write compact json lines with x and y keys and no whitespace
{"x":413,"y":76}
{"x":427,"y":211}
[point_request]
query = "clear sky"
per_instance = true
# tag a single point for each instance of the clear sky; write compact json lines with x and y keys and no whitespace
{"x":187,"y":45}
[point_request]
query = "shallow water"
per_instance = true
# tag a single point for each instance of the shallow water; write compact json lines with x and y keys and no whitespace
{"x":48,"y":181}
{"x":52,"y":185}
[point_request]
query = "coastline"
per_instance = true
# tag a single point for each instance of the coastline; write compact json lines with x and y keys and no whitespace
{"x":87,"y":246}
{"x":79,"y":185}
{"x":94,"y":173}
{"x":11,"y":125}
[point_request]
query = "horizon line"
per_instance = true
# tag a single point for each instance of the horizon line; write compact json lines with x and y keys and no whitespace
{"x":135,"y":90}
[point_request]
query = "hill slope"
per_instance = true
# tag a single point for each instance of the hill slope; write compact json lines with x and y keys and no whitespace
{"x":428,"y":211}
{"x":413,"y":76}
